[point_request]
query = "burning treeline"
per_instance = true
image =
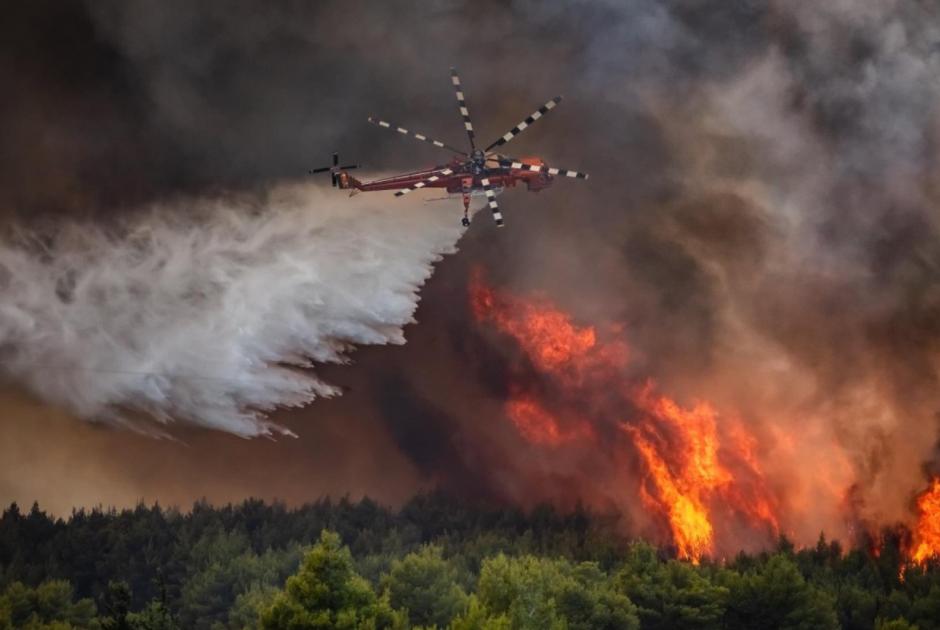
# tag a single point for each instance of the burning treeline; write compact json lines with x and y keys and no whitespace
{"x":696,"y":470}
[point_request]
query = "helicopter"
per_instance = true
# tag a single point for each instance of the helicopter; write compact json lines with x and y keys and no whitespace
{"x":477,"y":172}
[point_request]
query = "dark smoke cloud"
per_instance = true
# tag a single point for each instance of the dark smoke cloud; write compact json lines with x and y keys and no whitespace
{"x":760,"y":217}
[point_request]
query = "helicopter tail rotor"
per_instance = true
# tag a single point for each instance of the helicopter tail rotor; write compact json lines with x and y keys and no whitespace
{"x":333,"y":170}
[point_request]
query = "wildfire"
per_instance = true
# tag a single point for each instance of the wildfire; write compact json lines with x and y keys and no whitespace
{"x":927,"y":530}
{"x":683,"y":488}
{"x":535,"y":423}
{"x":682,"y":503}
{"x":691,"y":471}
{"x":550,"y":339}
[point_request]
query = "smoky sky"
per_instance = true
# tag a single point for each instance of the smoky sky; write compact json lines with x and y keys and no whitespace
{"x":120,"y":102}
{"x":761,"y":214}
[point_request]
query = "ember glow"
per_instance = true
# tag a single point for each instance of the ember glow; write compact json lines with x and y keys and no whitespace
{"x":539,"y":426}
{"x":696,"y":471}
{"x":927,"y":531}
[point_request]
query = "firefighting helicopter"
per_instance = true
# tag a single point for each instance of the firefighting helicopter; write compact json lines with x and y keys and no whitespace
{"x":474,"y":173}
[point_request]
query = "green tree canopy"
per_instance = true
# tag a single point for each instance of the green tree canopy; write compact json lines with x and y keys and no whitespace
{"x":541,"y":593}
{"x":49,"y":606}
{"x":424,"y":585}
{"x":327,"y":593}
{"x":225,"y":568}
{"x":775,"y":596}
{"x":154,"y":616}
{"x":670,"y":595}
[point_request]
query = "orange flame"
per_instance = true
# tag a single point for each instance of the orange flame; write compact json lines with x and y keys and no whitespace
{"x":549,"y":335}
{"x":682,"y":503}
{"x":927,"y":530}
{"x":534,"y":422}
{"x":695,"y":473}
{"x":688,"y":467}
{"x":550,"y":340}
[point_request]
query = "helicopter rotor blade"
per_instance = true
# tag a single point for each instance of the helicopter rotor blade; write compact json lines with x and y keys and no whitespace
{"x":491,"y":201}
{"x":462,"y":104}
{"x":418,"y":136}
{"x":525,"y":124}
{"x":430,"y":180}
{"x":542,"y":168}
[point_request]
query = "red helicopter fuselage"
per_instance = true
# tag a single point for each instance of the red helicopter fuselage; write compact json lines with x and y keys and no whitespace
{"x":460,"y":180}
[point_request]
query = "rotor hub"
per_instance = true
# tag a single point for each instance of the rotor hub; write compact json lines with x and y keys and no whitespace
{"x":478,"y":161}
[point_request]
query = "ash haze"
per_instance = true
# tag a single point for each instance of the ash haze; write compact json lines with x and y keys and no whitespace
{"x":761,"y":219}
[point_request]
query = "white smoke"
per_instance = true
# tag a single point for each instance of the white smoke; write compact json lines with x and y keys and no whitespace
{"x":205,"y":311}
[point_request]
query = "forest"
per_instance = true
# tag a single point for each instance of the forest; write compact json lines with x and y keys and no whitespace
{"x":433,"y":563}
